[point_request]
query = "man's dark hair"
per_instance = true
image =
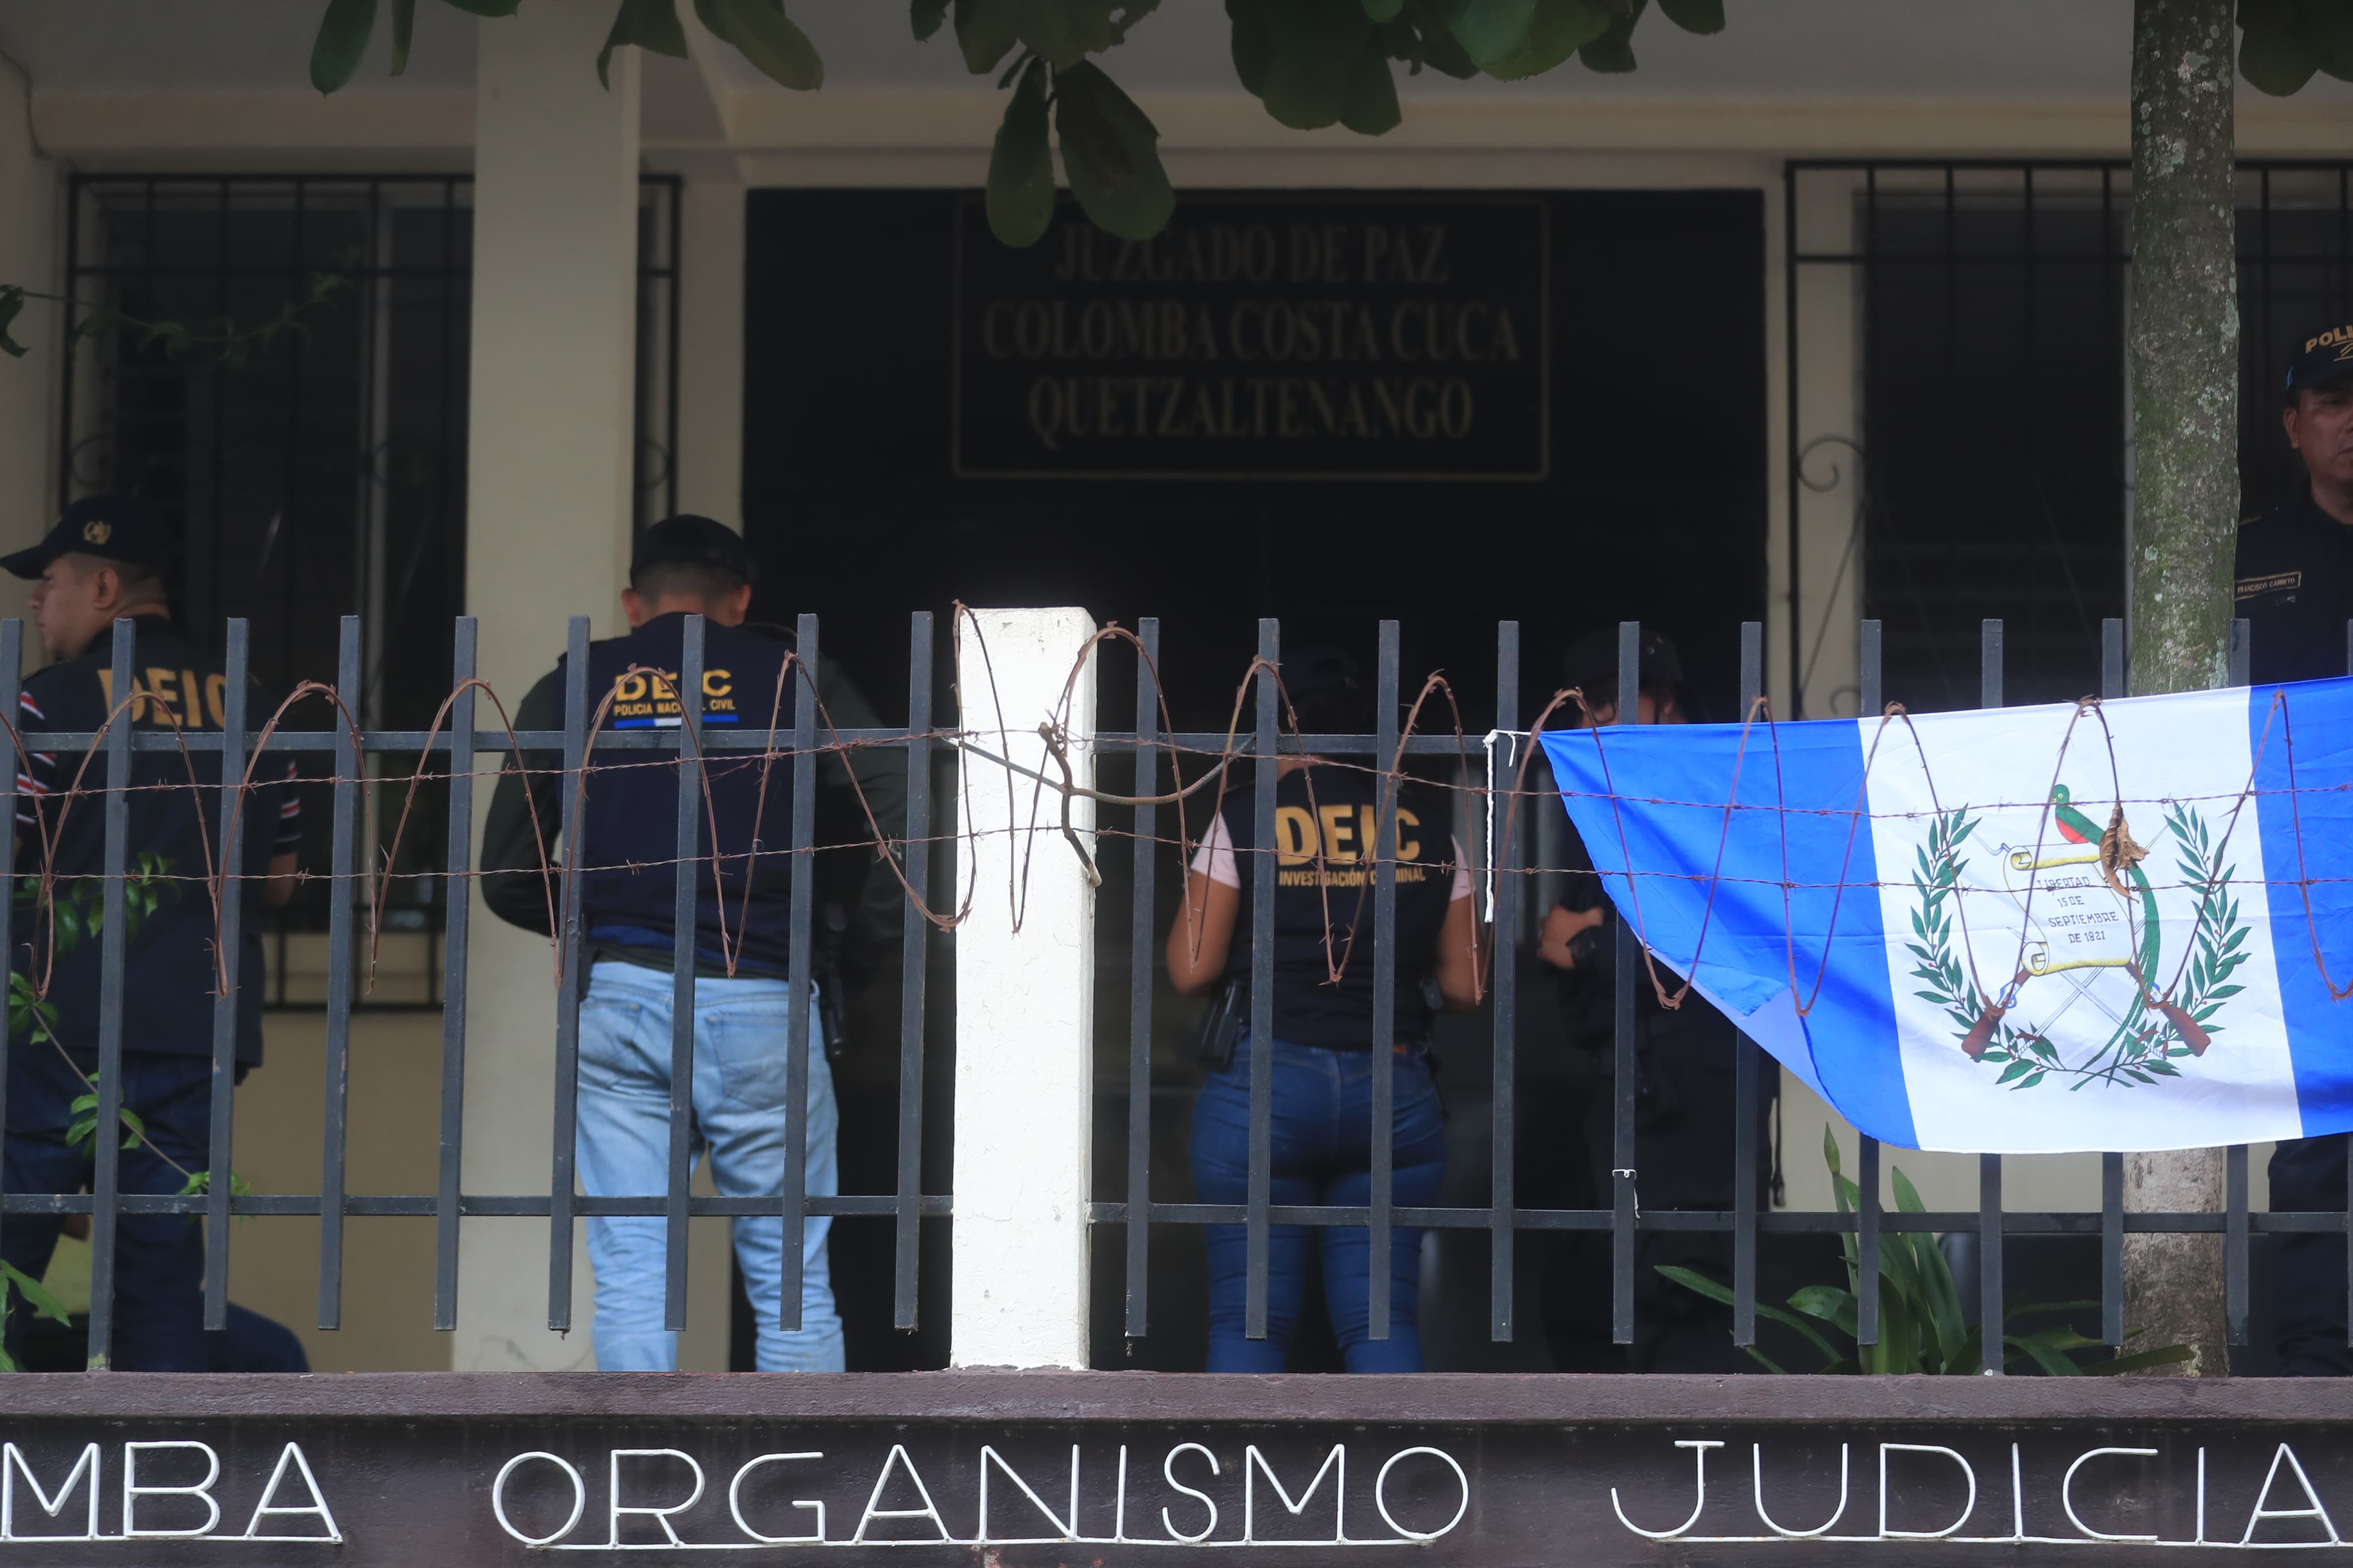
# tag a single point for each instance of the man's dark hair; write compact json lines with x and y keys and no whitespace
{"x":687,"y":579}
{"x":1327,"y":691}
{"x":139,"y":580}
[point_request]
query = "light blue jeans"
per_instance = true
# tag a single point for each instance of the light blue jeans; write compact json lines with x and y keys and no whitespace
{"x":739,"y":1114}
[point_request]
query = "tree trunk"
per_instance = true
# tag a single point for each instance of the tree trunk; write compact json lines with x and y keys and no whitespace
{"x":2185,"y":370}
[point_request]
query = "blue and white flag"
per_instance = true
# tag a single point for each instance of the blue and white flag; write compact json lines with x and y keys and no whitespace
{"x":2016,"y":930}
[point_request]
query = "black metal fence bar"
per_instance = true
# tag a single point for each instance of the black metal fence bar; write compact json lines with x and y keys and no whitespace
{"x":1381,"y":1047}
{"x":106,"y":1156}
{"x":2112,"y":1166}
{"x":1624,"y":1080}
{"x":680,"y":1168}
{"x":12,"y":657}
{"x":343,"y":862}
{"x":573,"y":969}
{"x":1746,"y":1074}
{"x":456,"y":923}
{"x":1866,"y":1165}
{"x":1261,"y":1026}
{"x":1142,"y":917}
{"x":1990,"y":1297}
{"x":1502,"y":1197}
{"x":915,"y":939}
{"x":797,"y":964}
{"x":223,"y":1122}
{"x":2234,"y":1158}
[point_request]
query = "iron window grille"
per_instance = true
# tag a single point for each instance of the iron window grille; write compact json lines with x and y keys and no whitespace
{"x":325,"y":476}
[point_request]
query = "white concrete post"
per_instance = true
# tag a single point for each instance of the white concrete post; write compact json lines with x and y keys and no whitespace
{"x":550,"y":428}
{"x":1025,"y":1001}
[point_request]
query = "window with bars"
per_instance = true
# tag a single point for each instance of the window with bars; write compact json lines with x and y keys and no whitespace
{"x":1991,"y":301}
{"x":324,"y":476}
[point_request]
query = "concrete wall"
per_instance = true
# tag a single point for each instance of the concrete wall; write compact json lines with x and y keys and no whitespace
{"x":31,"y":255}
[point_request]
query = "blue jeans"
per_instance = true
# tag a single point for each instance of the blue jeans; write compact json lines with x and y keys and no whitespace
{"x":1323,"y":1154}
{"x":159,"y":1259}
{"x":739,"y":1114}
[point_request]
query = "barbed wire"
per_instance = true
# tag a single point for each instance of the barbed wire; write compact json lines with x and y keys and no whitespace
{"x":1070,"y":754}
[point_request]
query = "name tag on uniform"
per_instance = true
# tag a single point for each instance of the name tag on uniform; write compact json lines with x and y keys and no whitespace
{"x":2278,"y":581}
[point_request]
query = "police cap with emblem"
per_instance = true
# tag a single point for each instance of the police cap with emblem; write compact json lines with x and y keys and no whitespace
{"x":687,"y":540}
{"x":2323,"y":359}
{"x":111,"y":527}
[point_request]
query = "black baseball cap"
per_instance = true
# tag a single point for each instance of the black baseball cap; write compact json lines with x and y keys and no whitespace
{"x":692,"y":541}
{"x":2324,"y":358}
{"x":111,"y":527}
{"x":1592,"y":664}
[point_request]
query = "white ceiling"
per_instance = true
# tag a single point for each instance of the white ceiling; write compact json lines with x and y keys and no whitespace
{"x":1880,"y":49}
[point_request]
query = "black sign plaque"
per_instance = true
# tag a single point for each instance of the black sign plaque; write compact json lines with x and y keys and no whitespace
{"x":1014,"y":1470}
{"x":1292,"y":336}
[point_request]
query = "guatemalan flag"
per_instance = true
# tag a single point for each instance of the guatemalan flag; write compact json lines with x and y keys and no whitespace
{"x":2023,"y":930}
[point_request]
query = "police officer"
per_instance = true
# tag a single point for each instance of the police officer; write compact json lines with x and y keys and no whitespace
{"x":106,"y":560}
{"x":1686,"y":1109}
{"x":688,"y":565}
{"x":2294,"y":588}
{"x":1322,"y":1050}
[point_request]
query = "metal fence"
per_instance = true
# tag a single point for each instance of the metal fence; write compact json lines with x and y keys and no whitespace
{"x":460,"y":747}
{"x":1149,"y":1198}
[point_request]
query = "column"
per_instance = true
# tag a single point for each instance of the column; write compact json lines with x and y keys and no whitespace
{"x":1024,"y":1000}
{"x":550,"y":428}
{"x":710,"y":455}
{"x":29,"y":387}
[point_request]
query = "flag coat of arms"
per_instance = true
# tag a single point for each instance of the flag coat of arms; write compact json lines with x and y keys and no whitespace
{"x":2109,"y":926}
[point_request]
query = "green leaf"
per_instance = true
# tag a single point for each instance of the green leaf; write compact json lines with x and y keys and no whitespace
{"x":1488,"y":30}
{"x":403,"y":28}
{"x":2328,"y":27}
{"x":341,"y":43}
{"x":763,"y":34}
{"x":1021,"y":166}
{"x":925,"y":17}
{"x":1369,"y":104}
{"x":1691,"y":1280}
{"x":2275,"y":55}
{"x":131,"y":1118}
{"x":1832,"y":1306}
{"x":1557,"y":30}
{"x":1110,"y":154}
{"x":2048,"y":1350}
{"x":80,"y":1130}
{"x":1422,"y":36}
{"x":1695,"y":15}
{"x":36,"y":1295}
{"x":649,"y":24}
{"x":1297,"y":56}
{"x":1383,"y":10}
{"x":2140,"y":1360}
{"x":987,"y":31}
{"x":1066,"y":31}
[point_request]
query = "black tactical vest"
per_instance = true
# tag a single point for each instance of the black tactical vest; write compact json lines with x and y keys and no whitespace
{"x":1310,"y":1007}
{"x":630,"y":823}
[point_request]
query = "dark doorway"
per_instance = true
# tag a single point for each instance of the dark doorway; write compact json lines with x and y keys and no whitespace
{"x":1117,"y":434}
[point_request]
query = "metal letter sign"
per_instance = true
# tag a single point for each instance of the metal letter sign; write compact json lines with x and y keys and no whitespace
{"x":1293,"y":337}
{"x":1019,"y":1470}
